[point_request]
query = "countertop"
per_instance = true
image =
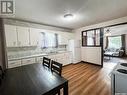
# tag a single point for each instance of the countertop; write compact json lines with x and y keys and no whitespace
{"x":36,"y":55}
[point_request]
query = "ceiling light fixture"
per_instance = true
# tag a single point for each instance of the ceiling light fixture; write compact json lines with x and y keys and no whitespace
{"x":68,"y":16}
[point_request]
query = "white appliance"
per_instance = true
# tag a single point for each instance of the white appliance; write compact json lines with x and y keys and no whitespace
{"x":119,"y":79}
{"x":75,"y":47}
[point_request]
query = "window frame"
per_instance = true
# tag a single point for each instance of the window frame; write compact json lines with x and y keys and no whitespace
{"x":115,"y":36}
{"x":94,"y":38}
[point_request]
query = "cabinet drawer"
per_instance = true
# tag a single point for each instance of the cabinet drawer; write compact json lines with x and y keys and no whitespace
{"x":28,"y":61}
{"x":39,"y":59}
{"x":12,"y":64}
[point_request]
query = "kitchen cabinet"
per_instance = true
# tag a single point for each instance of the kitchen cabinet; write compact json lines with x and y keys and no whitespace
{"x":28,"y":61}
{"x":23,"y":36}
{"x":63,"y":58}
{"x":40,"y":59}
{"x":63,"y":38}
{"x":11,"y":35}
{"x":14,"y":63}
{"x":52,"y":57}
{"x":34,"y":36}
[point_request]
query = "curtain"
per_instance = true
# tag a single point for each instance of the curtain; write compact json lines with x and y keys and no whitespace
{"x":106,"y":43}
{"x":123,"y":42}
{"x":3,"y":53}
{"x":56,"y":40}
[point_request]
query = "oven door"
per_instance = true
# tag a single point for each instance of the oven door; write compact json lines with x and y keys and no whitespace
{"x":120,"y":83}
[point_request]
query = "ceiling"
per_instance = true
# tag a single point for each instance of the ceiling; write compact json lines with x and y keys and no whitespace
{"x":118,"y":30}
{"x":86,"y":12}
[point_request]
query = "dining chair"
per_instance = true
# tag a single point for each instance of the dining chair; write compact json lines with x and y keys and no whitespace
{"x":56,"y":67}
{"x":1,"y":74}
{"x":46,"y":62}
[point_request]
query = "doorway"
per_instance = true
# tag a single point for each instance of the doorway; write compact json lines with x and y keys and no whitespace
{"x":114,"y":45}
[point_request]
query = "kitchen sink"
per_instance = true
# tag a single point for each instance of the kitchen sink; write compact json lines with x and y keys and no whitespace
{"x":124,"y":64}
{"x":122,"y":71}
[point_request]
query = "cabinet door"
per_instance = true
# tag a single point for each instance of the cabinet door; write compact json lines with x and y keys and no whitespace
{"x":40,"y":59}
{"x":67,"y":58}
{"x":60,"y":58}
{"x":15,"y":63}
{"x":64,"y":38}
{"x":52,"y":57}
{"x":28,"y":61}
{"x":34,"y":37}
{"x":23,"y":36}
{"x":11,"y":35}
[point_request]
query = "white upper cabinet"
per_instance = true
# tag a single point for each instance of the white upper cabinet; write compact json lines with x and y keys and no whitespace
{"x":64,"y":37}
{"x":34,"y":36}
{"x":23,"y":36}
{"x":11,"y":35}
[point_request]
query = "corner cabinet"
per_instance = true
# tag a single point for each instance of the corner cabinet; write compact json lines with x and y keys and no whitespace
{"x":11,"y":36}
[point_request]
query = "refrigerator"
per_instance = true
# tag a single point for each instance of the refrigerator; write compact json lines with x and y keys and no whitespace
{"x":75,"y":47}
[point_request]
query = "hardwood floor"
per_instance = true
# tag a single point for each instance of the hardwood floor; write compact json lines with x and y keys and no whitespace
{"x":87,"y":79}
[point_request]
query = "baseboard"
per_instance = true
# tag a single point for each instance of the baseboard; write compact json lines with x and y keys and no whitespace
{"x":91,"y":63}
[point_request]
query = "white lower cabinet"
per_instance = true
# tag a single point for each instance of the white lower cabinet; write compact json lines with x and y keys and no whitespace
{"x":15,"y":63}
{"x":52,"y":57}
{"x":39,"y":59}
{"x":28,"y":61}
{"x":63,"y":58}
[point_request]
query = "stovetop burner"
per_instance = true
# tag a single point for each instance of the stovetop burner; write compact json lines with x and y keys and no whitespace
{"x":122,"y":71}
{"x":124,"y":64}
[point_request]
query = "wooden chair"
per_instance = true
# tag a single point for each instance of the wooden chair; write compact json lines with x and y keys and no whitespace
{"x":46,"y":62}
{"x":1,"y":74}
{"x":56,"y":67}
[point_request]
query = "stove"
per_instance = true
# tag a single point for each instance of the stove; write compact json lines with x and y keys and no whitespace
{"x":119,"y":79}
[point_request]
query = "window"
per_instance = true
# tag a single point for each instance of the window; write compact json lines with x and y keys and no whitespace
{"x":115,"y":42}
{"x":91,"y":37}
{"x":48,"y":40}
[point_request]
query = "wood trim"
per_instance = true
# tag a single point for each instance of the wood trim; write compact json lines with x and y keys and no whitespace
{"x":91,"y":46}
{"x":91,"y":63}
{"x":102,"y":46}
{"x":93,"y":38}
{"x":115,"y":24}
{"x":107,"y":26}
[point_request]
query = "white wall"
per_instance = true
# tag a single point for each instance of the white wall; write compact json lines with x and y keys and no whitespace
{"x":93,"y":54}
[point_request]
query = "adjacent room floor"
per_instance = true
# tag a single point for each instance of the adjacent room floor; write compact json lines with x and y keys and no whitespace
{"x":112,"y":62}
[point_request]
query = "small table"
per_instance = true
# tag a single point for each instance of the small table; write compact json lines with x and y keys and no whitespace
{"x":109,"y":54}
{"x":32,"y":79}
